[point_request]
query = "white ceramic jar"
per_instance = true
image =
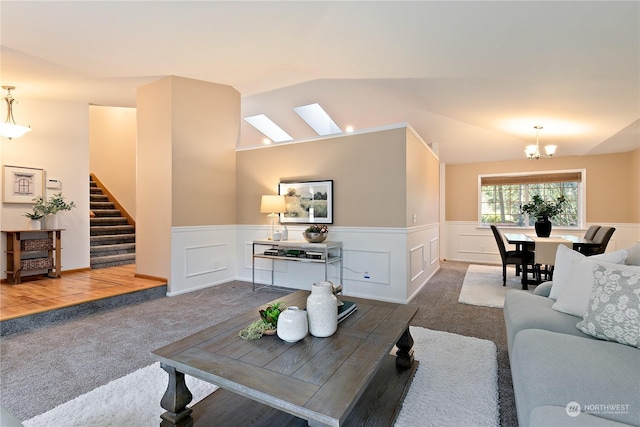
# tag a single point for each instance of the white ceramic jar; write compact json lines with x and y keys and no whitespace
{"x":292,"y":324}
{"x":322,"y":310}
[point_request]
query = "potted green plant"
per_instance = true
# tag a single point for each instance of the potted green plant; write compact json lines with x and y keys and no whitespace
{"x":543,"y":210}
{"x":36,"y":214}
{"x":271,"y":313}
{"x":54,"y":205}
{"x":57,"y":204}
{"x":266,"y":325}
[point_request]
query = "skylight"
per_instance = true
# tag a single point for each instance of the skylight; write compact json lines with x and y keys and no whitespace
{"x":265,"y":125}
{"x":318,"y":119}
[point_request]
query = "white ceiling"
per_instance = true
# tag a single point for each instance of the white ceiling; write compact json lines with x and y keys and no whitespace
{"x":472,"y":78}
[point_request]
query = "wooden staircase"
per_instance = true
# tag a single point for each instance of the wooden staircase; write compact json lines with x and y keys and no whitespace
{"x":113,"y":234}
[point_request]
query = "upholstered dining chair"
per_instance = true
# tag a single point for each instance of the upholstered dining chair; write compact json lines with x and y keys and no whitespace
{"x":591,"y":232}
{"x":545,"y":255}
{"x":602,"y":237}
{"x":519,"y":258}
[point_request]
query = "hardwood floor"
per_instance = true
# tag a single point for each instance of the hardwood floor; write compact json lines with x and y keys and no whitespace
{"x":40,"y":295}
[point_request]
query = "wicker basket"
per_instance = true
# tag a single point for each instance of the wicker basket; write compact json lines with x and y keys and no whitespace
{"x":36,"y":264}
{"x":36,"y":245}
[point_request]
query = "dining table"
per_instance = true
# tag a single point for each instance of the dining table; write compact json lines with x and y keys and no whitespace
{"x":527,"y":242}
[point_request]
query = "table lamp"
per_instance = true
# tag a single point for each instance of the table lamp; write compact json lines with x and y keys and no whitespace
{"x":273,"y":205}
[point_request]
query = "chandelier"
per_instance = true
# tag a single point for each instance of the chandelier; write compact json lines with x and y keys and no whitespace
{"x":9,"y":128}
{"x":533,"y":151}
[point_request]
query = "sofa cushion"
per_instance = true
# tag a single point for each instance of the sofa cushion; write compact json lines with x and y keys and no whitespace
{"x":523,"y":310}
{"x":565,"y":258}
{"x":613,"y":311}
{"x":633,"y":257}
{"x":574,"y":296}
{"x":555,"y":369}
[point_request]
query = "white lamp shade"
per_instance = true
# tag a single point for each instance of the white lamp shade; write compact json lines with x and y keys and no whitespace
{"x":550,"y":149}
{"x":9,"y":130}
{"x":272,"y":204}
{"x":531,"y":150}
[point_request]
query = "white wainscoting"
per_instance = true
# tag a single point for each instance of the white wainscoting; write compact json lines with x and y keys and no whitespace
{"x":201,"y":257}
{"x":423,"y":246}
{"x":466,"y":241}
{"x":376,"y":261}
{"x":388,"y":264}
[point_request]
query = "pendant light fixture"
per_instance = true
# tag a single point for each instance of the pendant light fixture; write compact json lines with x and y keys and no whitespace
{"x":533,"y":151}
{"x":9,"y":128}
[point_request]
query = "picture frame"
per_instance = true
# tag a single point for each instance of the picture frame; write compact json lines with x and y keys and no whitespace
{"x":307,"y":202}
{"x":21,"y":184}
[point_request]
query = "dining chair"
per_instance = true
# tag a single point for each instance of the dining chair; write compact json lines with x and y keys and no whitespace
{"x":545,"y":255}
{"x":521,"y":258}
{"x":591,"y":232}
{"x":602,"y":237}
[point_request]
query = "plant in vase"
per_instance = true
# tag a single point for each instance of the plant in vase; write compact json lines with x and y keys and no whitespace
{"x":543,"y":211}
{"x":54,"y":205}
{"x":316,"y":233}
{"x":271,"y":313}
{"x":266,"y":325}
{"x":36,"y":214}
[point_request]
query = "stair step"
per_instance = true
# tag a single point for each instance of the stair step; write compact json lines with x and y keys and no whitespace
{"x":106,"y":212}
{"x":112,"y":260}
{"x":117,"y":249}
{"x":108,"y":221}
{"x":111,"y":229}
{"x":101,"y":205}
{"x":112,"y":239}
{"x":107,"y":239}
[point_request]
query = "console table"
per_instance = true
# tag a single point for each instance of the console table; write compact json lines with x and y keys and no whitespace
{"x":325,"y":253}
{"x":28,"y":250}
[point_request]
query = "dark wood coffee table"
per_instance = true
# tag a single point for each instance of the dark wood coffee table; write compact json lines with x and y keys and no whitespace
{"x":350,"y":378}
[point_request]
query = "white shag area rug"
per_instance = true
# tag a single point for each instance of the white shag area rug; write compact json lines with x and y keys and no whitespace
{"x":482,"y":285}
{"x":456,"y":384}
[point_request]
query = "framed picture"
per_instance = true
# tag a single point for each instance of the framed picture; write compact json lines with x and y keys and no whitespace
{"x":21,"y":185}
{"x":309,"y":202}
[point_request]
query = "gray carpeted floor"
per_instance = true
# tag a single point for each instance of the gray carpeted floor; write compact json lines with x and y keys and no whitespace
{"x":51,"y":365}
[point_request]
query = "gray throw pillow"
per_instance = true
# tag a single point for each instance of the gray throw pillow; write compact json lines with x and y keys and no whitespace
{"x":613,"y":313}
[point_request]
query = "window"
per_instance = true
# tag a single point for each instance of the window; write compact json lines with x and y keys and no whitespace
{"x":502,"y":195}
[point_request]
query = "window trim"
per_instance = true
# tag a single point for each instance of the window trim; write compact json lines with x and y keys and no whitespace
{"x":582,"y":193}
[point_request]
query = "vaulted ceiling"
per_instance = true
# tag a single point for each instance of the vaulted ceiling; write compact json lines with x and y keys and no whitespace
{"x":472,"y":78}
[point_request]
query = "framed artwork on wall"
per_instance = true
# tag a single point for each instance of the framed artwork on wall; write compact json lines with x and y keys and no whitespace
{"x":308,"y":202}
{"x":21,"y":184}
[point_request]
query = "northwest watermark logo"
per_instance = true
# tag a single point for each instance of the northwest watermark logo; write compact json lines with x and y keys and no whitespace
{"x":573,"y":409}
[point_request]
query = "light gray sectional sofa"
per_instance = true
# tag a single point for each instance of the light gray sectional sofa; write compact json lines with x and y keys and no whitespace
{"x":563,"y":376}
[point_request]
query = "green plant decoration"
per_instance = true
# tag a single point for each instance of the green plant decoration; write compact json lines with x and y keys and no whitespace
{"x":271,"y":313}
{"x":39,"y":209}
{"x":255,"y":330}
{"x":317,"y":228}
{"x":57,"y":204}
{"x":541,"y":209}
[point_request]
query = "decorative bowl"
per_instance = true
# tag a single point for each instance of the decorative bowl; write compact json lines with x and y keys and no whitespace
{"x":314,"y":237}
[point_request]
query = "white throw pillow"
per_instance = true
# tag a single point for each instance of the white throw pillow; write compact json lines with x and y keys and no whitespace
{"x":565,"y":257}
{"x":573,"y":298}
{"x":634,"y":255}
{"x":613,"y":312}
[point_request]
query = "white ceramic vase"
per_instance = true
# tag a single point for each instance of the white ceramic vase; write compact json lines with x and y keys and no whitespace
{"x":51,"y":221}
{"x":292,"y":324}
{"x":35,"y":224}
{"x":322,"y":310}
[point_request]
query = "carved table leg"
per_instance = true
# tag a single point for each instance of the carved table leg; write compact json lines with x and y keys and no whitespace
{"x":175,"y":400}
{"x":404,"y":355}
